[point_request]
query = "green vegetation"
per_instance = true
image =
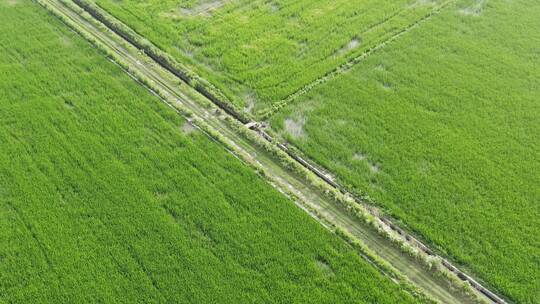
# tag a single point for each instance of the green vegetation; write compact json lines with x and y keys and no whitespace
{"x":442,"y":128}
{"x":106,"y":195}
{"x":258,"y":52}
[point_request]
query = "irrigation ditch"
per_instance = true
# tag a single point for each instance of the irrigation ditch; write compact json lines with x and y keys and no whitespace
{"x":394,"y":251}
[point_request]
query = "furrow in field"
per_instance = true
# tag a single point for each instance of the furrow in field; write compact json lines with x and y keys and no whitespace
{"x":310,"y":198}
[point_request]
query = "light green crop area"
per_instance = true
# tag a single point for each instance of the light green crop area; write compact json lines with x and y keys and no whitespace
{"x":106,"y":196}
{"x":257,"y":51}
{"x":442,"y":128}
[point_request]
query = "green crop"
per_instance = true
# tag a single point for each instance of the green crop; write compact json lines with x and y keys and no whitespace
{"x":106,"y":195}
{"x":442,"y":129}
{"x":258,"y":52}
{"x":440,"y":126}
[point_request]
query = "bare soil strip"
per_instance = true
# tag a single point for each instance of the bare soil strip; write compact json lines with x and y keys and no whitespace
{"x":307,"y":196}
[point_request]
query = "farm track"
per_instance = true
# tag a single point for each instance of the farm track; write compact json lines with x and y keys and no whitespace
{"x":322,"y":208}
{"x":265,"y":114}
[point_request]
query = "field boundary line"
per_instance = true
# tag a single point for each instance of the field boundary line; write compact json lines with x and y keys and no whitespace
{"x":295,"y":164}
{"x":276,"y":107}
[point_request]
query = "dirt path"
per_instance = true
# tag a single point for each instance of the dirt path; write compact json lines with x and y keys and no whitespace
{"x":308,"y":197}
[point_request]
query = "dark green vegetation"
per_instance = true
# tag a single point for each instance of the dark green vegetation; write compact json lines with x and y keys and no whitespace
{"x":106,"y":195}
{"x":442,"y":128}
{"x":258,"y":52}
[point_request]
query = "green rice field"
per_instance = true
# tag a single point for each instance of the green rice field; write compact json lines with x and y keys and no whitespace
{"x":441,"y":126}
{"x":108,"y":196}
{"x":258,"y":52}
{"x":442,"y":129}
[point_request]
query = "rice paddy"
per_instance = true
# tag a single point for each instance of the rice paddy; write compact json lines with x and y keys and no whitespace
{"x":441,"y":128}
{"x":106,"y":195}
